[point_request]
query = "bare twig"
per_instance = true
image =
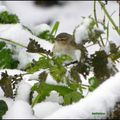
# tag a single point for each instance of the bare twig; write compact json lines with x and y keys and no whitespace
{"x":109,"y":17}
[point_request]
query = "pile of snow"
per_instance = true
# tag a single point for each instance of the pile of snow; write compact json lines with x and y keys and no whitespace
{"x":19,"y":110}
{"x":23,"y":91}
{"x":44,"y":109}
{"x":55,"y":97}
{"x":81,"y":32}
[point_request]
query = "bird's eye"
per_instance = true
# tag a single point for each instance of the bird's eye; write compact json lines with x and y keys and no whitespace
{"x":63,"y":39}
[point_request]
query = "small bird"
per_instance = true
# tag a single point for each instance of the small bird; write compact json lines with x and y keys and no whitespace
{"x":65,"y":45}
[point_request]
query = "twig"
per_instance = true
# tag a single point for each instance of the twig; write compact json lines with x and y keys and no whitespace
{"x":109,"y":17}
{"x":96,"y":21}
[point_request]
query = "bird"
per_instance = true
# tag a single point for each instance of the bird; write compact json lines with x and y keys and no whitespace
{"x":65,"y":45}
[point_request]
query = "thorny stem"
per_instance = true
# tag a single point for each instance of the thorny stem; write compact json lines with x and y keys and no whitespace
{"x":96,"y":22}
{"x":109,"y":17}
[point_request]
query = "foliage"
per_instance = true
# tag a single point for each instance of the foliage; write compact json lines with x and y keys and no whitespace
{"x":7,"y":18}
{"x":69,"y":95}
{"x":6,"y":59}
{"x":94,"y":83}
{"x":8,"y":84}
{"x":68,"y":74}
{"x":49,"y":35}
{"x":3,"y":108}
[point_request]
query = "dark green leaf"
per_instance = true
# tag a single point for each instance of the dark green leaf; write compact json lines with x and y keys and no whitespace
{"x":6,"y":59}
{"x":7,"y":18}
{"x":3,"y":108}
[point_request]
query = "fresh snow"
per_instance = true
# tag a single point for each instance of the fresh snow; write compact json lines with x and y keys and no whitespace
{"x":41,"y":28}
{"x":23,"y":91}
{"x":19,"y":110}
{"x":3,"y":8}
{"x":54,"y":97}
{"x":44,"y":109}
{"x":81,"y":32}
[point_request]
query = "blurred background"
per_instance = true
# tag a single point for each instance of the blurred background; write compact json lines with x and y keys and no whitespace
{"x":69,"y":13}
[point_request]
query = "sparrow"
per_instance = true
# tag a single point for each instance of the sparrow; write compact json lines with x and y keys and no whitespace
{"x":65,"y":45}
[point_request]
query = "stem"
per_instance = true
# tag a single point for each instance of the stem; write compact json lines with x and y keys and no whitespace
{"x":109,"y":17}
{"x":96,"y":22}
{"x":12,"y":42}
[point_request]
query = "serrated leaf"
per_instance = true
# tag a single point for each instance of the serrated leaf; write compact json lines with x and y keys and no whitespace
{"x":3,"y":108}
{"x":34,"y":47}
{"x":44,"y":89}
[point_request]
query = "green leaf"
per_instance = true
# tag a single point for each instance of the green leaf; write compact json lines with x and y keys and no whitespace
{"x":49,"y":35}
{"x":6,"y":59}
{"x":94,"y":83}
{"x":3,"y":108}
{"x":44,"y":89}
{"x":58,"y":73}
{"x":55,"y":28}
{"x":7,"y":18}
{"x":43,"y":63}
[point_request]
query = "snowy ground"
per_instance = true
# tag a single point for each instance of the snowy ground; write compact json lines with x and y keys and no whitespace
{"x":101,"y":100}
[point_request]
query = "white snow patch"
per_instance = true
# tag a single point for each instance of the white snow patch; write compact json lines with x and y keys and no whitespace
{"x":19,"y":110}
{"x":81,"y":32}
{"x":3,"y":8}
{"x":23,"y":91}
{"x":54,"y":97}
{"x":44,"y":109}
{"x":41,"y":28}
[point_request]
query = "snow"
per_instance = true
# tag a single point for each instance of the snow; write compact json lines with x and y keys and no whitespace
{"x":41,"y":28}
{"x":23,"y":91}
{"x":8,"y":101}
{"x":19,"y":110}
{"x":41,"y":110}
{"x":102,"y":100}
{"x":81,"y":32}
{"x":54,"y":97}
{"x":3,"y":8}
